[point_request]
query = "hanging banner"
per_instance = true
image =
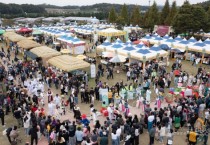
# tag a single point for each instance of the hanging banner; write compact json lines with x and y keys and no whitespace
{"x":92,"y":70}
{"x":130,"y":95}
{"x":104,"y":96}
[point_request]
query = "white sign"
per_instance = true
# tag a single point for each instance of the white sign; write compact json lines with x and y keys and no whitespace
{"x":92,"y":70}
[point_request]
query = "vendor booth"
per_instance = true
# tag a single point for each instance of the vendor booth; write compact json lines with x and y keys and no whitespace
{"x":75,"y":45}
{"x":27,"y":44}
{"x":68,"y":63}
{"x":45,"y":53}
{"x":110,"y":32}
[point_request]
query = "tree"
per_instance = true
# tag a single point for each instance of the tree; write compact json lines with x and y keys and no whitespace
{"x":152,"y":16}
{"x":190,"y":18}
{"x":208,"y":19}
{"x":165,"y":12}
{"x":112,"y":15}
{"x":200,"y":18}
{"x":124,"y":14}
{"x":172,"y":14}
{"x":136,"y":16}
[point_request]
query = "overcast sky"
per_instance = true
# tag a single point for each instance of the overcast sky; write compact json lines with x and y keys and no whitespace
{"x":90,"y":2}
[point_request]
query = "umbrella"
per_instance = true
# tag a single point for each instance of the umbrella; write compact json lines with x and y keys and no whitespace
{"x":24,"y":30}
{"x":176,"y":72}
{"x":2,"y":32}
{"x":37,"y":32}
{"x":164,"y":47}
{"x":81,"y":57}
{"x":65,"y":51}
{"x":161,"y":90}
{"x":117,"y":59}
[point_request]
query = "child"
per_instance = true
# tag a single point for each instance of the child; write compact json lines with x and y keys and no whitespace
{"x":92,"y":99}
{"x":63,"y":107}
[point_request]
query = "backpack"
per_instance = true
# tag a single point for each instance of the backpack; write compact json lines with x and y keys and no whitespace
{"x":136,"y":132}
{"x":1,"y":113}
{"x":8,"y":131}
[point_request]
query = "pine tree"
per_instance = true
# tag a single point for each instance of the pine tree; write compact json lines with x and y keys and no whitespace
{"x":136,"y":16}
{"x":172,"y":14}
{"x":190,"y":18}
{"x":112,"y":15}
{"x":165,"y":12}
{"x":152,"y":17}
{"x":124,"y":14}
{"x":208,"y":19}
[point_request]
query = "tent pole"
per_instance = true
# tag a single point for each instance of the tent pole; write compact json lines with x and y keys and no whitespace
{"x":202,"y":58}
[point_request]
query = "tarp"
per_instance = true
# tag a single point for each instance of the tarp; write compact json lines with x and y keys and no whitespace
{"x":16,"y":38}
{"x":111,"y":32}
{"x":68,"y":63}
{"x":28,"y":44}
{"x":30,"y":54}
{"x":45,"y":52}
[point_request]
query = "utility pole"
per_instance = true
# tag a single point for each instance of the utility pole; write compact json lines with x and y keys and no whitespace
{"x":149,"y":3}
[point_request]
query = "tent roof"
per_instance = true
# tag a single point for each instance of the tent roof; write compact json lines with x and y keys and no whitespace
{"x":28,"y":44}
{"x":111,"y":32}
{"x":143,"y":51}
{"x":45,"y":52}
{"x":16,"y":38}
{"x":68,"y":63}
{"x":6,"y":34}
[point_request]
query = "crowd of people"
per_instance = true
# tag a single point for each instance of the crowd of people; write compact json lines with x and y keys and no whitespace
{"x":31,"y":99}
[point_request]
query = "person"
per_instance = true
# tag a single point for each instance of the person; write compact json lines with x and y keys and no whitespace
{"x":8,"y":131}
{"x":14,"y":134}
{"x":17,"y":114}
{"x":152,"y":135}
{"x":2,"y":116}
{"x":72,"y":131}
{"x":79,"y":136}
{"x":104,"y":139}
{"x":127,"y":139}
{"x":34,"y":136}
{"x":192,"y":137}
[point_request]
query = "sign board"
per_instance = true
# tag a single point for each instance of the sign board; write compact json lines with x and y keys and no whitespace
{"x":92,"y":70}
{"x":104,"y":95}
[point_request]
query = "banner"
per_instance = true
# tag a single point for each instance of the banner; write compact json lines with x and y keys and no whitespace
{"x":92,"y":70}
{"x":130,"y":95}
{"x":104,"y":96}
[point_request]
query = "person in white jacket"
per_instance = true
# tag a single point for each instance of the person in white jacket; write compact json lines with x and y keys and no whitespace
{"x":26,"y":124}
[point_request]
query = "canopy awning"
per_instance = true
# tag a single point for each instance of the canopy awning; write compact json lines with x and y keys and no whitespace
{"x":45,"y":52}
{"x":68,"y":63}
{"x":111,"y":32}
{"x":30,"y":54}
{"x":28,"y":44}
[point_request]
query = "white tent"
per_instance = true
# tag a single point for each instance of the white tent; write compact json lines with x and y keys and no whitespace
{"x":118,"y":59}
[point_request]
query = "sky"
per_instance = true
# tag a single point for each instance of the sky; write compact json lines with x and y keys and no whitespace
{"x":90,"y":2}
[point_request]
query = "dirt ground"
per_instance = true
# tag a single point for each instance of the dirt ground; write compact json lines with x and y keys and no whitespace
{"x":179,"y":137}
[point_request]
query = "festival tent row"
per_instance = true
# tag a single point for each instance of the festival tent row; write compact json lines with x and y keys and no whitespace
{"x":191,"y":44}
{"x":68,"y":63}
{"x":137,"y":52}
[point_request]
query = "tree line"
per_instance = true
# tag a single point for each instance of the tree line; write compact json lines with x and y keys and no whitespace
{"x":187,"y":18}
{"x":15,"y":9}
